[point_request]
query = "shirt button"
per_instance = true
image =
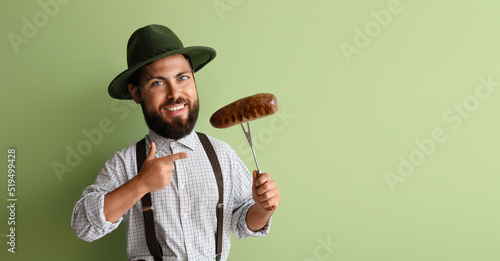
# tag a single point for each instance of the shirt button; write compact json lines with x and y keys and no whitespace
{"x":185,"y":214}
{"x":189,"y":244}
{"x":182,"y":186}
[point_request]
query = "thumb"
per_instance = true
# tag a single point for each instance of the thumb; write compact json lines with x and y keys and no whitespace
{"x":152,"y":151}
{"x":254,"y":177}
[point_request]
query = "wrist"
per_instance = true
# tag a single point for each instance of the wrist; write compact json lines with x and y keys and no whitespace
{"x":138,"y":186}
{"x":261,"y":212}
{"x":257,"y":218}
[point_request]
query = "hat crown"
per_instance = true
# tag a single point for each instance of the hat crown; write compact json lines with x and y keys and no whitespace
{"x":149,"y":41}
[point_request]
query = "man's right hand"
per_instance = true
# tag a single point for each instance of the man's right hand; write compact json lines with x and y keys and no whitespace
{"x":156,"y":174}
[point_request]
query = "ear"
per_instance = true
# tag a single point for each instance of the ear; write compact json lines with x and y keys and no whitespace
{"x":136,"y":95}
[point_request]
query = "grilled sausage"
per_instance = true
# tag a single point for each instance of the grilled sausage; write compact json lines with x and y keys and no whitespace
{"x":246,"y":109}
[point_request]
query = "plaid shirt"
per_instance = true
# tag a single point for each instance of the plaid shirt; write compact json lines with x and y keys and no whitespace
{"x":184,"y":212}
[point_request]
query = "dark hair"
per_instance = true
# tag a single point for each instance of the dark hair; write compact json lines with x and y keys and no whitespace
{"x":135,"y":79}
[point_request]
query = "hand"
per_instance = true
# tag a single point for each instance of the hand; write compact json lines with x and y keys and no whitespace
{"x":156,"y":174}
{"x":265,"y":192}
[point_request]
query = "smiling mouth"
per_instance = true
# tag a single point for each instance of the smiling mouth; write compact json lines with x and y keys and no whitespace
{"x":176,"y":107}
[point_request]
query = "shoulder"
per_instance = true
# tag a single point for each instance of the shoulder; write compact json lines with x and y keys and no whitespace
{"x":125,"y":153}
{"x":221,"y":147}
{"x":226,"y":154}
{"x":230,"y":161}
{"x":118,"y":169}
{"x":122,"y":162}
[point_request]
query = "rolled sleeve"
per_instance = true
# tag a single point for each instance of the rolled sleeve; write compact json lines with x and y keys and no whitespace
{"x":95,"y":208}
{"x":241,"y":229}
{"x":88,"y":220}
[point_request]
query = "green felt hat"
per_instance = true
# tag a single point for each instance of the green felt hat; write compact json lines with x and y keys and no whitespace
{"x":150,"y":43}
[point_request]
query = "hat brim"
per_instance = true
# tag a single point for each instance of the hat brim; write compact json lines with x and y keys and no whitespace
{"x":198,"y":55}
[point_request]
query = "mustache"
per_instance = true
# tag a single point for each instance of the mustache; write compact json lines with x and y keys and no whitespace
{"x":170,"y":102}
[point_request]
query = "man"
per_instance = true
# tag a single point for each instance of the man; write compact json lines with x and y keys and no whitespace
{"x":176,"y":173}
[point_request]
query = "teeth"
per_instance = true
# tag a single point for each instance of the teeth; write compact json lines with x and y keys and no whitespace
{"x":176,"y":108}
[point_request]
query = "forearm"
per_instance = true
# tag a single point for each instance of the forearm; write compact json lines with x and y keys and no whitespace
{"x":123,"y":198}
{"x":257,"y":218}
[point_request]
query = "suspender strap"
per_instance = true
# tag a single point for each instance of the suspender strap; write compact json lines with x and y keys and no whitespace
{"x":209,"y":149}
{"x":147,"y":211}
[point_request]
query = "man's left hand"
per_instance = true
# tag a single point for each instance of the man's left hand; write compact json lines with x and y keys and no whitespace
{"x":265,"y":192}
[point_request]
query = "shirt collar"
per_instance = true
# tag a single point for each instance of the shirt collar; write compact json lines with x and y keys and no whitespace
{"x":162,"y":142}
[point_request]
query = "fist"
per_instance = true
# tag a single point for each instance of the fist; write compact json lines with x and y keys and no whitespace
{"x":265,"y":192}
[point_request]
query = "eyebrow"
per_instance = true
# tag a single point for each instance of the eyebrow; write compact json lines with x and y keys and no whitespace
{"x":181,"y":73}
{"x":156,"y":77}
{"x":165,"y":79}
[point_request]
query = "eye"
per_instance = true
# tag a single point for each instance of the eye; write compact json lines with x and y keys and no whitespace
{"x":156,"y":83}
{"x":183,"y":78}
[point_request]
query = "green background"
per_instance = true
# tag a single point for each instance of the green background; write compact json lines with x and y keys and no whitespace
{"x":346,"y":120}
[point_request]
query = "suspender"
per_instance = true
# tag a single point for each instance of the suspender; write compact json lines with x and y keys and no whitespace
{"x":209,"y":149}
{"x":147,"y":211}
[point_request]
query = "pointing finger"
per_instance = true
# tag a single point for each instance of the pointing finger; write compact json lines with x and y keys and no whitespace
{"x":174,"y":157}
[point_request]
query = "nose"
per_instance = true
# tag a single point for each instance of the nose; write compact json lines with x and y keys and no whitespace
{"x":173,"y":91}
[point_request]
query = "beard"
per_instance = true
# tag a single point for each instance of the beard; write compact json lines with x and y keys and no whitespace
{"x":176,"y":129}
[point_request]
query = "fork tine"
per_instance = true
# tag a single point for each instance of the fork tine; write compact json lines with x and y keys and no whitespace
{"x":247,"y":134}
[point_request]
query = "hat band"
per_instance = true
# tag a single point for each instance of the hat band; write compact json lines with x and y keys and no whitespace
{"x":151,"y":55}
